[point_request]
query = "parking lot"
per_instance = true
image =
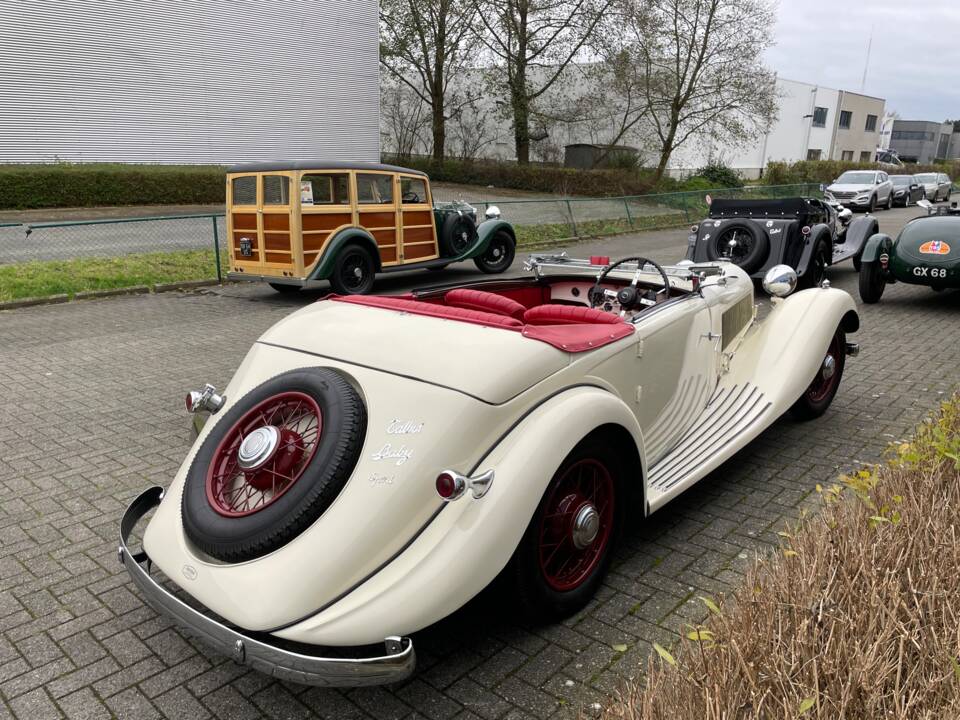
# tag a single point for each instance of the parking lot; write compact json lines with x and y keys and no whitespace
{"x":91,"y":414}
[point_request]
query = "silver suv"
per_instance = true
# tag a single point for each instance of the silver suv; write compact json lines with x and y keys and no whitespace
{"x":937,"y":186}
{"x":866,"y":189}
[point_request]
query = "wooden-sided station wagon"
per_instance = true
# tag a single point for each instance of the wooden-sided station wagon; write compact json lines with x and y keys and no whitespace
{"x":298,"y":224}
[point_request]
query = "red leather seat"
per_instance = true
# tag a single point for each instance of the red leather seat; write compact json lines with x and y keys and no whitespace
{"x":415,"y":307}
{"x":484,"y":302}
{"x":568,"y":315}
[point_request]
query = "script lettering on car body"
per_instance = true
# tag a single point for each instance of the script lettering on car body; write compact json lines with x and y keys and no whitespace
{"x":404,"y":427}
{"x":399,"y":455}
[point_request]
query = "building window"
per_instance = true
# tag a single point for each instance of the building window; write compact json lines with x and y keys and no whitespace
{"x":911,"y":135}
{"x":864,"y":156}
{"x":847,"y":156}
{"x":814,"y":154}
{"x":845,"y":118}
{"x":819,"y":117}
{"x":871,"y":123}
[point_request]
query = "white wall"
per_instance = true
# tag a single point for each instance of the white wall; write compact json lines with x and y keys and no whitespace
{"x":217,"y":81}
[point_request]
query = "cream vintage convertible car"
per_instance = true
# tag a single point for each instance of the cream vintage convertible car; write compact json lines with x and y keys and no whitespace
{"x":375,"y":462}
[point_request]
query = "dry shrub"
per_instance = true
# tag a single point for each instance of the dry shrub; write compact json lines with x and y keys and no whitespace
{"x":857,"y":615}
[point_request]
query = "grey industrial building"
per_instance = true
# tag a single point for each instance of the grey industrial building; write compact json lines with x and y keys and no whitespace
{"x":218,"y":81}
{"x":922,"y":141}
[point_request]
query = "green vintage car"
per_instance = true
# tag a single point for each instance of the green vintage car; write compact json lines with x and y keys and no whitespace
{"x":926,"y":252}
{"x":305,"y":223}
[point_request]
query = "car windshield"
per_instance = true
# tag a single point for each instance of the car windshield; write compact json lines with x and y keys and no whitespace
{"x":927,"y":178}
{"x":856,"y":178}
{"x":901,"y":179}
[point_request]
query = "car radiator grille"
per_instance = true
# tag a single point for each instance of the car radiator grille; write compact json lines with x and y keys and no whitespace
{"x":844,"y":195}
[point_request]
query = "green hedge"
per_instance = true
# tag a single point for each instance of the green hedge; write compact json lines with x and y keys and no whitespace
{"x":24,"y":187}
{"x":537,"y":178}
{"x":826,"y":171}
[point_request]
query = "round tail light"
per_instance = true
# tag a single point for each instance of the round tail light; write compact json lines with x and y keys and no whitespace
{"x":450,"y":486}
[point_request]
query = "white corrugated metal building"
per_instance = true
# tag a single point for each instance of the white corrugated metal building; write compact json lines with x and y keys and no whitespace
{"x":201,"y":81}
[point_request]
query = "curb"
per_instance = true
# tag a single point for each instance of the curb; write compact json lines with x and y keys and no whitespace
{"x":113,"y":292}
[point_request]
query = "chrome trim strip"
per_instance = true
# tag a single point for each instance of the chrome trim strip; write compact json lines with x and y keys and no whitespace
{"x":396,"y":664}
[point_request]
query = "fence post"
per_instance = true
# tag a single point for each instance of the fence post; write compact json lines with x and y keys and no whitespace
{"x":626,"y":206}
{"x":216,"y":249}
{"x":573,"y":222}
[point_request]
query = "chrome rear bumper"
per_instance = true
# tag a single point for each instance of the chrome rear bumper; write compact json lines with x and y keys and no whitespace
{"x":396,"y":664}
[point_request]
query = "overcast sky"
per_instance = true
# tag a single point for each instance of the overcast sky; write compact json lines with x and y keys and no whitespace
{"x":914,"y":63}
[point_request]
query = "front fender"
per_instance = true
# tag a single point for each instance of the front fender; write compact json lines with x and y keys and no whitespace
{"x":782,"y":356}
{"x":876,"y":246}
{"x":818,"y":234}
{"x":485,"y":231}
{"x":860,"y":231}
{"x":324,"y":268}
{"x":471,"y":540}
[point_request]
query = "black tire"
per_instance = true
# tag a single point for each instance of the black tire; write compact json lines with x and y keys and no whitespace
{"x":240,"y":538}
{"x":757,"y":245}
{"x":499,"y":255}
{"x":890,"y":201}
{"x":821,"y":391}
{"x":353,"y":271}
{"x":817,"y":270}
{"x":285,"y":289}
{"x":457,"y":234}
{"x":527,"y":574}
{"x":872,"y":282}
{"x":872,"y":207}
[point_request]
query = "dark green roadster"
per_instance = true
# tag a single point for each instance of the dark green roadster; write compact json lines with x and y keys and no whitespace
{"x":926,"y":252}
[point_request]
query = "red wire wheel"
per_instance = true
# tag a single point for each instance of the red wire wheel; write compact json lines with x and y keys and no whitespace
{"x":576,"y":524}
{"x":828,"y":376}
{"x":264,"y":454}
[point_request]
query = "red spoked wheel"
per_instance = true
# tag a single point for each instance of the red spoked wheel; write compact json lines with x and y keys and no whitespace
{"x":263,"y":454}
{"x":821,"y":391}
{"x":577,"y":524}
{"x":827,"y":379}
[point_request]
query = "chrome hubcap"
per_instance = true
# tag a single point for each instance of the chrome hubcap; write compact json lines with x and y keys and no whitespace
{"x":829,"y":367}
{"x":258,"y":447}
{"x":586,"y":526}
{"x":357,"y":273}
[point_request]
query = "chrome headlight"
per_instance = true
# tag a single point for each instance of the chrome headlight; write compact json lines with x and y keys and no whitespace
{"x":780,"y":280}
{"x":493,"y":213}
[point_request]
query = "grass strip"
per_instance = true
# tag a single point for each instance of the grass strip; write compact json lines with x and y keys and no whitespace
{"x":54,"y":277}
{"x":856,"y":616}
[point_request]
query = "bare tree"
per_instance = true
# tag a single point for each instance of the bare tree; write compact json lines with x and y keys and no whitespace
{"x":405,"y":120}
{"x":424,"y":44}
{"x":702,"y":68}
{"x":472,"y":128}
{"x":532,"y":42}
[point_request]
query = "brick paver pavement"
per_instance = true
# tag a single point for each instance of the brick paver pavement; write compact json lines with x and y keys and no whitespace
{"x":91,"y":413}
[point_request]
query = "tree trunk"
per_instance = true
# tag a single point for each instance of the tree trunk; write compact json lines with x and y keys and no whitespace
{"x":521,"y":116}
{"x":439,"y":126}
{"x":667,"y":149}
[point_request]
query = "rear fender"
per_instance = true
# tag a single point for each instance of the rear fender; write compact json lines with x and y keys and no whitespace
{"x":818,"y":234}
{"x":471,"y":540}
{"x":876,"y":245}
{"x":359,"y":236}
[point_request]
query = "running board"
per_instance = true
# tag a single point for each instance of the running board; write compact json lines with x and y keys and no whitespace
{"x":844,"y":251}
{"x":733,"y":417}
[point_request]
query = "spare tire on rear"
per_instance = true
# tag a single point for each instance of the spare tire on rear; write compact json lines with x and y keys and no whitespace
{"x":457,"y":235}
{"x":273,"y":464}
{"x":740,"y":242}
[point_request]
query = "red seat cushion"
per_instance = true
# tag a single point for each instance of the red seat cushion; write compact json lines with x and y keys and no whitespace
{"x":568,"y":315}
{"x":416,"y":307}
{"x":484,"y":302}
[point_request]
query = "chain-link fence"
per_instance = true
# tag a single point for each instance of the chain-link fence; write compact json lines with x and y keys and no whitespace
{"x":536,"y":220}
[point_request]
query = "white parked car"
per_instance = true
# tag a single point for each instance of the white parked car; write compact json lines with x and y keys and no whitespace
{"x":865,"y":189}
{"x":375,"y":462}
{"x":937,"y":186}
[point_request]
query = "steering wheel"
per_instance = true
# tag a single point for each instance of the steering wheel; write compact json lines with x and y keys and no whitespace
{"x":627,"y":297}
{"x":410,"y":197}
